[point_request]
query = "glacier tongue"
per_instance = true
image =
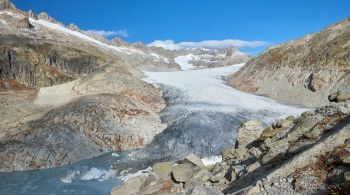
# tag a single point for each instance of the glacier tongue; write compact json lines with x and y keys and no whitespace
{"x":203,"y":112}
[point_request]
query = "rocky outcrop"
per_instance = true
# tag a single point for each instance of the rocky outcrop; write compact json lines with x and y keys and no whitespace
{"x":6,"y":4}
{"x":248,"y":132}
{"x":303,"y":71}
{"x":118,"y":42}
{"x":305,"y":155}
{"x":86,"y":127}
{"x":41,"y":65}
{"x":31,"y":14}
{"x":47,"y":17}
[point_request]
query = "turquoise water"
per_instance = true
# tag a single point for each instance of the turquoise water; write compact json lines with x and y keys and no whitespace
{"x":47,"y":181}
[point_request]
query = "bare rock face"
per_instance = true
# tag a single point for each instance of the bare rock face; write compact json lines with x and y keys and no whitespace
{"x":43,"y":65}
{"x":248,"y":132}
{"x":6,"y":4}
{"x":86,"y":127}
{"x":31,"y":14}
{"x":118,"y":42}
{"x":47,"y":17}
{"x":302,"y":71}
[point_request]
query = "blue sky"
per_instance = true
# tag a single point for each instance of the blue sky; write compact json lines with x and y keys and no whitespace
{"x":273,"y":21}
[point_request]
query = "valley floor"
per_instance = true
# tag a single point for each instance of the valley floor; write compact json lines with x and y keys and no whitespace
{"x":202,"y":113}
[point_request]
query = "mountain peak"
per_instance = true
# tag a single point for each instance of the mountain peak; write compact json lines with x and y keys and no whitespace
{"x":118,"y":42}
{"x":47,"y":17}
{"x":31,"y":14}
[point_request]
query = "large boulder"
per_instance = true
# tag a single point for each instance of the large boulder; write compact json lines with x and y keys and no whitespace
{"x":339,"y":96}
{"x":162,"y":169}
{"x":195,"y":160}
{"x":182,"y":172}
{"x":249,"y":132}
{"x":132,"y":186}
{"x":202,"y":190}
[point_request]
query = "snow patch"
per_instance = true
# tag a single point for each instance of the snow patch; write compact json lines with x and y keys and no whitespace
{"x":99,"y":174}
{"x":126,"y":176}
{"x":157,"y":57}
{"x":70,"y":177}
{"x":115,"y":154}
{"x":183,"y":61}
{"x":211,"y":160}
{"x":83,"y":36}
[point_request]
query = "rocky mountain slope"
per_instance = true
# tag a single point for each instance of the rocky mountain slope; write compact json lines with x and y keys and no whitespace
{"x":302,"y":71}
{"x":305,"y":155}
{"x":108,"y":108}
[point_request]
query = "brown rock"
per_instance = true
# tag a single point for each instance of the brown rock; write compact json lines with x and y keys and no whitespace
{"x":249,"y":132}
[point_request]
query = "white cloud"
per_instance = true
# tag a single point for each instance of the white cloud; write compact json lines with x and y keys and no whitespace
{"x":166,"y":44}
{"x":120,"y":33}
{"x":209,"y":44}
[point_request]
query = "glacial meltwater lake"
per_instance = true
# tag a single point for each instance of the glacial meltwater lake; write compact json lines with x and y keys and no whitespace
{"x":203,"y":113}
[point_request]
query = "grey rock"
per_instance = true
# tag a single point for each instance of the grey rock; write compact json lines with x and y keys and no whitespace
{"x":132,"y":186}
{"x":182,"y":172}
{"x":231,"y":175}
{"x":231,"y":153}
{"x":283,"y":123}
{"x":216,"y":168}
{"x":347,"y":141}
{"x":249,"y":132}
{"x":300,"y":146}
{"x":239,"y":170}
{"x":347,"y":180}
{"x":215,"y":178}
{"x":315,"y":133}
{"x":290,"y":118}
{"x":256,"y":152}
{"x":195,"y":160}
{"x":302,"y":126}
{"x":202,"y":175}
{"x":193,"y":182}
{"x":202,"y":190}
{"x":339,"y":96}
{"x":253,"y":167}
{"x":31,"y":14}
{"x":336,"y":175}
{"x":162,"y":169}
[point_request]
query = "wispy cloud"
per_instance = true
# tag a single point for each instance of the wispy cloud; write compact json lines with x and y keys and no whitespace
{"x":119,"y":33}
{"x":209,"y":44}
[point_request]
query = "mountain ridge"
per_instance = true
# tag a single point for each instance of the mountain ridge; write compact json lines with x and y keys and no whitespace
{"x":302,"y":71}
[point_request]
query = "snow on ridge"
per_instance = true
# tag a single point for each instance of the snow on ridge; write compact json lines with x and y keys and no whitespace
{"x":157,"y":57}
{"x":83,"y":36}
